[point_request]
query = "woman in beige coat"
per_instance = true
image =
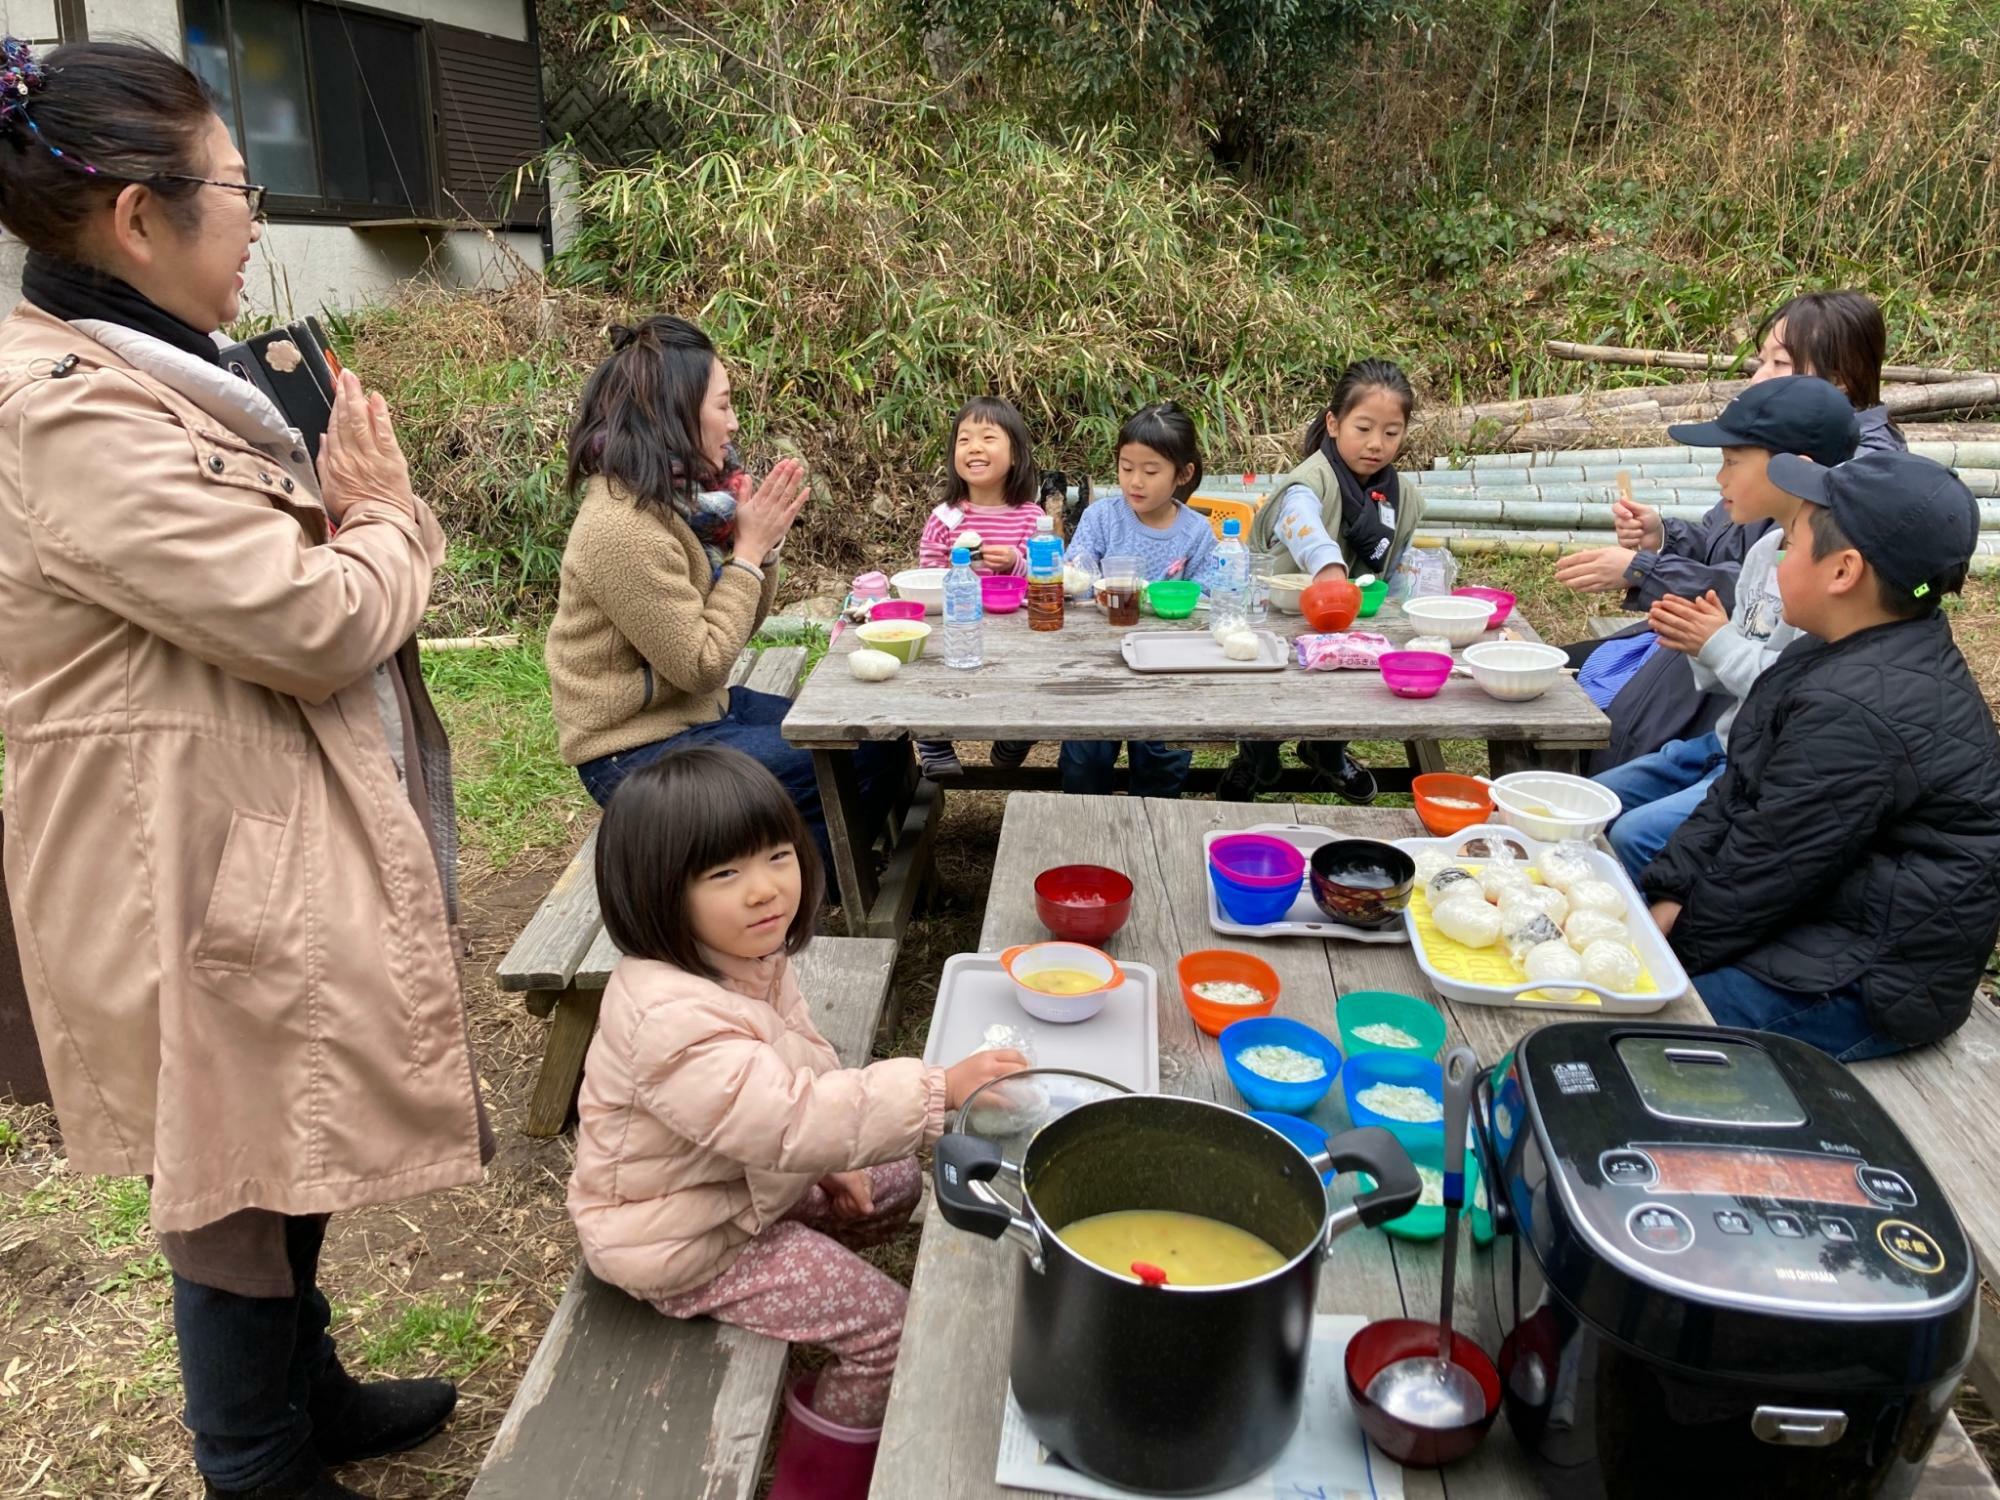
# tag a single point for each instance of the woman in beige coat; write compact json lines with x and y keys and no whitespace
{"x":228,"y":802}
{"x":723,"y":1154}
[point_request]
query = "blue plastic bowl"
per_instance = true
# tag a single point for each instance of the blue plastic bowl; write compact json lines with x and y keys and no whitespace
{"x":1253,"y":906}
{"x":1366,"y":1069}
{"x":1267,"y":1093}
{"x":1307,"y":1136}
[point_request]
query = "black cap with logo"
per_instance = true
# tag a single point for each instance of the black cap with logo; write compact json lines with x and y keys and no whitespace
{"x":1911,"y":519}
{"x":1792,"y":414}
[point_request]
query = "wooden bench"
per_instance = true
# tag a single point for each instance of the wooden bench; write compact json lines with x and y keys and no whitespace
{"x":563,"y":956}
{"x":621,"y":1400}
{"x":1603,"y":627}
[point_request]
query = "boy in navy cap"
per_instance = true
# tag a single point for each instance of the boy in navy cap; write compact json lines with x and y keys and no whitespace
{"x":1797,"y":414}
{"x":1841,"y":882}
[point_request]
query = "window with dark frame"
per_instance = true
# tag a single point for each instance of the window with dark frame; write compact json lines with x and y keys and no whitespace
{"x":330,"y":105}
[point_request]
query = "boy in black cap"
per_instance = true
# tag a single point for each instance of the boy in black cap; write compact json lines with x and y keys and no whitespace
{"x":1841,"y":882}
{"x":1727,"y":651}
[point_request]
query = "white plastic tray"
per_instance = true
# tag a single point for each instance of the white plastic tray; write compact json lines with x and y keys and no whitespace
{"x":1669,"y":978}
{"x":1121,"y":1042}
{"x":1196,"y":651}
{"x":1304,"y":919}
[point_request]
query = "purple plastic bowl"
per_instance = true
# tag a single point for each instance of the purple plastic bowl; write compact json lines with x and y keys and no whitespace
{"x":1415,"y":674}
{"x":896,"y":609}
{"x":1258,"y":862}
{"x":1001,"y":594}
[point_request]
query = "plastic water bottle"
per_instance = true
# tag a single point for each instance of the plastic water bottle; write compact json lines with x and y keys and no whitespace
{"x":964,"y":614}
{"x":1229,"y":593}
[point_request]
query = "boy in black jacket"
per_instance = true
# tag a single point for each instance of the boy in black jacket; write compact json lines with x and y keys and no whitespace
{"x":1841,"y":882}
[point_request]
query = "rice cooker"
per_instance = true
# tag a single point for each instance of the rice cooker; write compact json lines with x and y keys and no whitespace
{"x":1730,"y":1271}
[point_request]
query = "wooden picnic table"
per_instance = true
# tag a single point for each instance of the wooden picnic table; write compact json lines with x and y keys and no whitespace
{"x":941,"y":1437}
{"x":1072,"y":684}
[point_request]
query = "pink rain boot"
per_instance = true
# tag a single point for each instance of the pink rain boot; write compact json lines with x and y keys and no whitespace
{"x":818,"y":1459}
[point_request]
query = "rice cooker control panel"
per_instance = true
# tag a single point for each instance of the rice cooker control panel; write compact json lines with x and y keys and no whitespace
{"x":1748,"y":1171}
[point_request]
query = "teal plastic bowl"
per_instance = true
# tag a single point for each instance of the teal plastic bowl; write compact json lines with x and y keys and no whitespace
{"x":1409,"y":1015}
{"x":1371,"y":600}
{"x":1427,"y":1222}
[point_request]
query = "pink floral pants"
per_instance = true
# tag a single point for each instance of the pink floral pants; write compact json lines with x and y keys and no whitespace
{"x":797,"y":1283}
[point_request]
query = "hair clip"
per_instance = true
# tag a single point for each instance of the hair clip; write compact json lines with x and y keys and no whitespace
{"x":621,"y":337}
{"x":20,"y":76}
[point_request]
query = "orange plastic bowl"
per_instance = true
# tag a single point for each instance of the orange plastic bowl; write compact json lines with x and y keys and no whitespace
{"x":1441,"y":820}
{"x":1330,"y":606}
{"x":1213,"y":964}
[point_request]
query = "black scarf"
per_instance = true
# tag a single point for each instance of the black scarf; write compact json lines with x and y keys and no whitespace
{"x":1366,"y":540}
{"x":70,"y":292}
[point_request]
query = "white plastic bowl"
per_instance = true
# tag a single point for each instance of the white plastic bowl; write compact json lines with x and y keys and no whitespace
{"x":1515,"y":671}
{"x":924,"y":585}
{"x":1286,"y":589}
{"x":1460,"y":621}
{"x":1550,"y":806}
{"x":1024,"y":962}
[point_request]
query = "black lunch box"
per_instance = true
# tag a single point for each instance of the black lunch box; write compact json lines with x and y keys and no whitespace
{"x":1730,"y":1272}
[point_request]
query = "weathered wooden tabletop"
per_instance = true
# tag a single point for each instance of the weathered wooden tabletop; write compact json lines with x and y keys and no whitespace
{"x":1072,"y":684}
{"x":941,"y":1437}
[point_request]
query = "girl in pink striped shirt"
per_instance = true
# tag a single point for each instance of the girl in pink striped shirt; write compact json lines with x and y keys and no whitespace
{"x":989,"y":506}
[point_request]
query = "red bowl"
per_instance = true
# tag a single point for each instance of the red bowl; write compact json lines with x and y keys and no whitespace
{"x":1083,"y":903}
{"x":1379,"y":1345}
{"x":1500,"y":599}
{"x":896,"y":609}
{"x":1002,"y":593}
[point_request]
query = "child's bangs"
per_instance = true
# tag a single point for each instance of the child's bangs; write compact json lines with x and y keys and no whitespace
{"x":742,"y":816}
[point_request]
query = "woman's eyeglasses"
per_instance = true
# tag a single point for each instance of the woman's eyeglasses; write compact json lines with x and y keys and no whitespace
{"x":254,"y":192}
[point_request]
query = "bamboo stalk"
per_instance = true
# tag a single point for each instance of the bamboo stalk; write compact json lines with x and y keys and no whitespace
{"x":468,"y":643}
{"x":1671,"y":359}
{"x":1958,"y":395}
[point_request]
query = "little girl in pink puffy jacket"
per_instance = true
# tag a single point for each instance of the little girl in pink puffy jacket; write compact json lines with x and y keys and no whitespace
{"x":725,"y":1159}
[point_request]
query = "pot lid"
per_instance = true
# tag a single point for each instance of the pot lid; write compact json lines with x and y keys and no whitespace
{"x":1011,"y":1111}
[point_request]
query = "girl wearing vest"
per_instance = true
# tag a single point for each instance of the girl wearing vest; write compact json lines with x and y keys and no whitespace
{"x":1340,"y":511}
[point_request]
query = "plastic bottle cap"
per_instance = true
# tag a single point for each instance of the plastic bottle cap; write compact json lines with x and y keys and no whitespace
{"x":1045,"y":522}
{"x":961,"y":557}
{"x":1232,"y":527}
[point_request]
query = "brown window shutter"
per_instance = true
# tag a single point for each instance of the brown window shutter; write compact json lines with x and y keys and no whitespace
{"x":489,"y":125}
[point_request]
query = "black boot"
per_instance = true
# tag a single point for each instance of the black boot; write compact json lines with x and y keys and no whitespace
{"x":355,"y":1420}
{"x":1336,"y":771}
{"x":304,"y":1478}
{"x":1254,"y":770}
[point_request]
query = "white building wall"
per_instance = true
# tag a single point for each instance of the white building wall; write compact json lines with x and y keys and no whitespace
{"x":301,"y":268}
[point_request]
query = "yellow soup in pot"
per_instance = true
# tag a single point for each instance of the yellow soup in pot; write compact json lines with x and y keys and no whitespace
{"x":1192,"y":1250}
{"x":1061,"y":981}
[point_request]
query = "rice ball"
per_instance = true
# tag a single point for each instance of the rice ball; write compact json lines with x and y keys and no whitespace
{"x":1530,"y":933}
{"x":1586,"y":927}
{"x":1450,"y":881}
{"x":1563,"y":865}
{"x":1527,"y":900}
{"x":1430,"y":863}
{"x":1467,"y":919}
{"x":1500,"y":877}
{"x":1597,"y":895}
{"x":1555,"y":960}
{"x":1611,"y":964}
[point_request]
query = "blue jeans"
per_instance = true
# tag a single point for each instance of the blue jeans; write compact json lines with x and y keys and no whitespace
{"x":1836,"y":1023}
{"x":1658,"y":792}
{"x":248,"y":1365}
{"x":750,"y":724}
{"x":1090,"y":767}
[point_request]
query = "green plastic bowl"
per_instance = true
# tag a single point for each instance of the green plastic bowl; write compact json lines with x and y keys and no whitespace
{"x":1408,"y":1014}
{"x":1427,"y":1223}
{"x":1173,"y":598}
{"x":1371,"y":600}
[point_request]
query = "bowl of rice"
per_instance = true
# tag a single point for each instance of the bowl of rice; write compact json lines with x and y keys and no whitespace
{"x":1386,"y":1021}
{"x":1278,"y":1064}
{"x":1220,"y":987}
{"x":1399,"y":1091}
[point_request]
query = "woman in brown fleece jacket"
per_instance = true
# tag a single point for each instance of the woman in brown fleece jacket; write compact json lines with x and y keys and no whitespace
{"x":670,"y":567}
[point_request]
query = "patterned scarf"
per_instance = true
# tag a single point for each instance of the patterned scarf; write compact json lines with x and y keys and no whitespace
{"x":710,"y":513}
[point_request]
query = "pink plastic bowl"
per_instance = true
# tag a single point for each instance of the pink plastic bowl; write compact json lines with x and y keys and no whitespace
{"x":1002,"y":594}
{"x":1258,"y":861}
{"x":1415,"y":674}
{"x":1500,"y":599}
{"x":896,"y":609}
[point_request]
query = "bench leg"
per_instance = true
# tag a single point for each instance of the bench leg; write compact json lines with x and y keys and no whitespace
{"x":840,"y":804}
{"x":570,"y":1031}
{"x":1426,"y":757}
